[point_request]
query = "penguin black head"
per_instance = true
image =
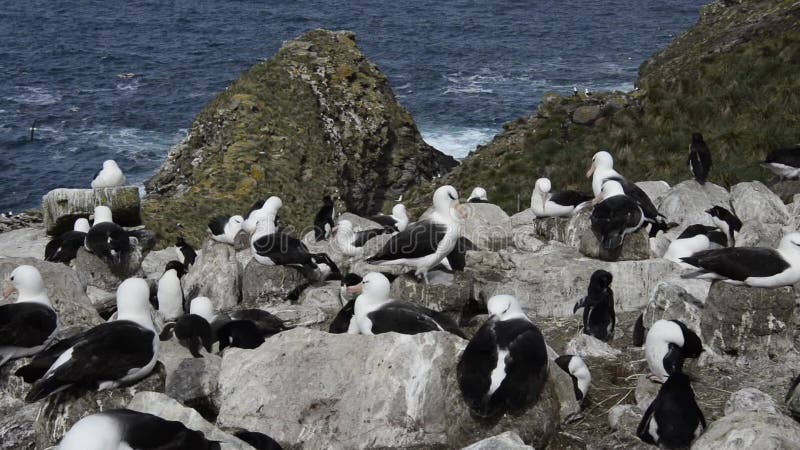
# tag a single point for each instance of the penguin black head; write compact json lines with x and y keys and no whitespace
{"x":600,"y":281}
{"x":723,"y":214}
{"x":697,"y":137}
{"x":180,"y":242}
{"x":327,"y":200}
{"x":177,"y":266}
{"x":692,"y":345}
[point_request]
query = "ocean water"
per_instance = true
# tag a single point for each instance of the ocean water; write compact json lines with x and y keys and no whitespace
{"x":124,"y":80}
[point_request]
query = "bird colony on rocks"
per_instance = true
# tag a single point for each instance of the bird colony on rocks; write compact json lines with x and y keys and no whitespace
{"x":384,"y":332}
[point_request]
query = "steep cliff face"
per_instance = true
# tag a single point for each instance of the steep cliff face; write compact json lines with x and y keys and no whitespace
{"x":318,"y":118}
{"x":732,"y":77}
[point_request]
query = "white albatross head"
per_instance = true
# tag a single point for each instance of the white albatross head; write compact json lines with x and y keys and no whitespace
{"x":202,"y":306}
{"x":505,"y":307}
{"x":81,"y":225}
{"x":110,"y":164}
{"x":600,"y":161}
{"x":28,"y":282}
{"x":478,"y":193}
{"x":133,"y":302}
{"x":445,"y":203}
{"x":102,"y":214}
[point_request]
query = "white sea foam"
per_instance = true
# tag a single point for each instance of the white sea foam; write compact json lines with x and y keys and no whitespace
{"x":456,"y":141}
{"x":28,"y":95}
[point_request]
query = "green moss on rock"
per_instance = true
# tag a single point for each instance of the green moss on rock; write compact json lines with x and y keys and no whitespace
{"x":732,"y":77}
{"x":318,"y":118}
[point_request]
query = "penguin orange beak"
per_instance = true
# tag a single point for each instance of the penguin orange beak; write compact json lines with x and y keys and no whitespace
{"x":8,"y":291}
{"x":590,"y":171}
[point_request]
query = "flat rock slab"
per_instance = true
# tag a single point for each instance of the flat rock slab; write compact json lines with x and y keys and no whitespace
{"x":24,"y":243}
{"x":741,"y":320}
{"x":750,"y":430}
{"x":62,"y":207}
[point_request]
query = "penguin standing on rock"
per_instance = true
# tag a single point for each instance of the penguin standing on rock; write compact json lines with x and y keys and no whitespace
{"x":699,"y":161}
{"x":599,"y":317}
{"x":324,"y":220}
{"x":107,"y":240}
{"x":673,"y":419}
{"x":187,"y":252}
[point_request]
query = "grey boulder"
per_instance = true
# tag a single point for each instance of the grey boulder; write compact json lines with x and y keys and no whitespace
{"x":746,"y":321}
{"x":750,"y":399}
{"x":100,"y":275}
{"x":269,"y":285}
{"x":216,"y":274}
{"x":686,"y":203}
{"x":754,"y":201}
{"x":750,"y":430}
{"x":352,"y":391}
{"x":505,"y":441}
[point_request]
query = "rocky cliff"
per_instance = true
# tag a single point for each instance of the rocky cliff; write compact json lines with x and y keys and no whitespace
{"x":732,"y":77}
{"x":317,"y":118}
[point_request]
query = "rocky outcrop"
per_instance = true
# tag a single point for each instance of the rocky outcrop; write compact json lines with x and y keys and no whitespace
{"x":756,"y":322}
{"x":317,"y":118}
{"x":98,"y":273}
{"x":505,"y":441}
{"x":269,"y":285}
{"x":63,"y":206}
{"x":216,"y":274}
{"x":351,"y":391}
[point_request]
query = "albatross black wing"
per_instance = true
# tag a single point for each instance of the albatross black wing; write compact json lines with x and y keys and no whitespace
{"x":739,"y":263}
{"x":416,"y":241}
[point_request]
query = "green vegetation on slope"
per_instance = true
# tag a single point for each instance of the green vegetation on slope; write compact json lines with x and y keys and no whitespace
{"x":733,"y":77}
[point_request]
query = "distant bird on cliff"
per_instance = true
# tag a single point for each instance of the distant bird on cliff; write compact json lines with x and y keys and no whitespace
{"x":575,"y":91}
{"x":602,"y":169}
{"x":699,"y":161}
{"x":784,"y":162}
{"x":478,"y":195}
{"x":351,"y":242}
{"x":124,"y":428}
{"x":127,"y":347}
{"x":557,"y":204}
{"x":587,"y":92}
{"x":579,"y":372}
{"x":727,"y":222}
{"x":398,"y":220}
{"x":695,"y":238}
{"x":426,"y":243}
{"x":375,"y":313}
{"x":751,"y":266}
{"x":224,"y":229}
{"x":64,"y":247}
{"x":109,"y":176}
{"x":187,"y":253}
{"x":615,"y":216}
{"x":325,"y":219}
{"x":667,"y":345}
{"x":673,"y":419}
{"x":505,"y":365}
{"x":269,"y":207}
{"x":171,"y":301}
{"x":599,"y":317}
{"x":29,"y":323}
{"x":107,"y":240}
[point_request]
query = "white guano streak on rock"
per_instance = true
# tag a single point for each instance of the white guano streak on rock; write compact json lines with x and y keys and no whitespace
{"x":417,"y":380}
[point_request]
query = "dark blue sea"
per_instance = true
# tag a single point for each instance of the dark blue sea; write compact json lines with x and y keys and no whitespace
{"x":124,"y":79}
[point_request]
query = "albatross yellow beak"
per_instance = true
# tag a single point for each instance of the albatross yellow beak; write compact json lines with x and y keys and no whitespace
{"x":8,"y":291}
{"x":590,"y":171}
